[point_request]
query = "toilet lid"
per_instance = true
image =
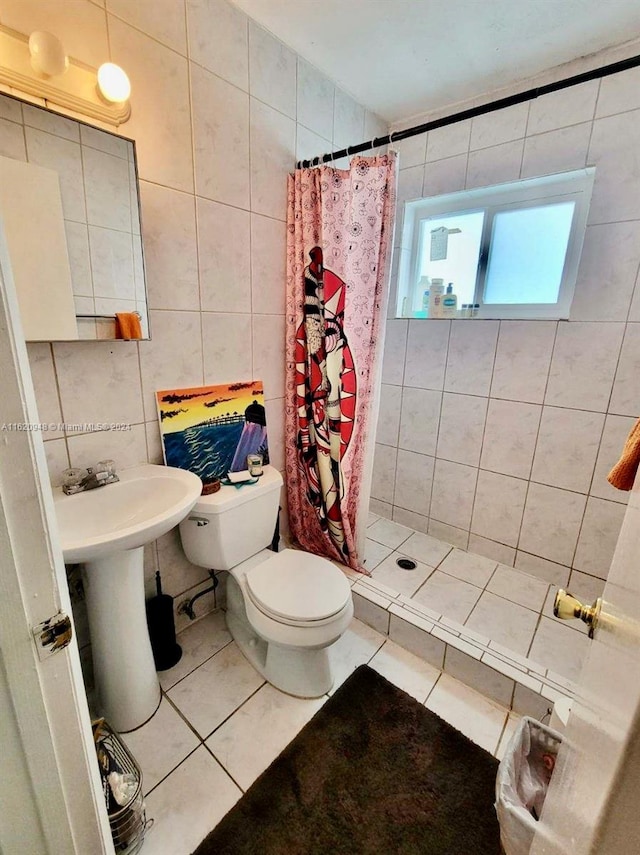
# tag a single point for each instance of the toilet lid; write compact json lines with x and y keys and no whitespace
{"x":295,"y":585}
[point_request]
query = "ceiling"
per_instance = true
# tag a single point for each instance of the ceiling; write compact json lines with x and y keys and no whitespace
{"x":403,"y":58}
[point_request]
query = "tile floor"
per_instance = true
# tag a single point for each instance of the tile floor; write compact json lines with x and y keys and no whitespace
{"x":220,"y":725}
{"x":508,"y":606}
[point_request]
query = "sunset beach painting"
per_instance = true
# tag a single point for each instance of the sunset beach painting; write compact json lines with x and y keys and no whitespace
{"x":210,"y":430}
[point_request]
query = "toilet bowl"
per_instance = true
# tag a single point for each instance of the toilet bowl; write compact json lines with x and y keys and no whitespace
{"x":284,"y":609}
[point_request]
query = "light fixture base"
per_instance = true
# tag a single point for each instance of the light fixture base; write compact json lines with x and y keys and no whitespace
{"x":75,"y":90}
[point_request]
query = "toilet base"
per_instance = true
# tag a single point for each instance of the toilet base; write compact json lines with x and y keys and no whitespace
{"x":302,"y":672}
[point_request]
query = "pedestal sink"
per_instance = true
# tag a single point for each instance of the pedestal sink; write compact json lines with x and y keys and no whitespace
{"x":106,"y":529}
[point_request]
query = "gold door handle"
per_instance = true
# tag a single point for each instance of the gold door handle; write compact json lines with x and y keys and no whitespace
{"x":566,"y":607}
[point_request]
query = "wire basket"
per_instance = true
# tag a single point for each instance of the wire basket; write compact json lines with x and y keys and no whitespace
{"x":128,"y":822}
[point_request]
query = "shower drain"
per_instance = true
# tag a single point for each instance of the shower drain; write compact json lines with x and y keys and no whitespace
{"x":406,"y":563}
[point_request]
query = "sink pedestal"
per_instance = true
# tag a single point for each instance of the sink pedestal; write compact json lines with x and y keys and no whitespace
{"x":127,"y":687}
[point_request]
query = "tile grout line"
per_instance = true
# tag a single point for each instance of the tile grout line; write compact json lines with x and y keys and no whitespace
{"x":442,"y":394}
{"x":177,"y":766}
{"x":204,"y":661}
{"x":404,"y":368}
{"x":535,"y":445}
{"x":238,"y":708}
{"x":224,"y":769}
{"x":484,"y":428}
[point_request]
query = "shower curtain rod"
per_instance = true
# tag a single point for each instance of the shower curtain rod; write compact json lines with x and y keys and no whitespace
{"x":499,"y":104}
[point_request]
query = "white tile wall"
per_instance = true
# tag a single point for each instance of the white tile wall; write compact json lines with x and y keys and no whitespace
{"x":533,"y":414}
{"x":556,"y":151}
{"x":414,"y":480}
{"x":503,"y":126}
{"x":461,"y":428}
{"x":419,"y":419}
{"x":472,"y":349}
{"x":523,"y":358}
{"x":453,"y":490}
{"x":220,"y":138}
{"x":272,"y":71}
{"x":389,"y":414}
{"x":444,"y":176}
{"x":427,"y":344}
{"x":494,"y":165}
{"x":498,"y":507}
{"x":205,"y":81}
{"x":510,"y":437}
{"x":568,"y":442}
{"x":614,"y":148}
{"x":218,"y":39}
{"x":172,"y":266}
{"x":583,"y":365}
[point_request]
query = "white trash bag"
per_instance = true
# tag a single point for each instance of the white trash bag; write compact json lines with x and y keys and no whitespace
{"x":522,"y":782}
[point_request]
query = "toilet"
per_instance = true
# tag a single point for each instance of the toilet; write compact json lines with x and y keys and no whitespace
{"x":284,"y":609}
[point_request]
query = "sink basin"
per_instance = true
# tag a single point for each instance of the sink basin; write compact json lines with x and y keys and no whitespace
{"x":106,"y":529}
{"x":145,"y":503}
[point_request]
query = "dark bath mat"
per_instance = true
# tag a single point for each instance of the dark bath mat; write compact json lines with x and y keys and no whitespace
{"x":372,"y":772}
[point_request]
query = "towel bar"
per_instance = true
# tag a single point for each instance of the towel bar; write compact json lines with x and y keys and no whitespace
{"x":100,"y":317}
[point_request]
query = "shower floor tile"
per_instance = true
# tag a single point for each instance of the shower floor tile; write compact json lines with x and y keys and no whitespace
{"x":402,"y":581}
{"x":429,"y":550}
{"x":452,"y":597}
{"x":374,"y":553}
{"x":469,"y":567}
{"x":389,"y":533}
{"x":507,"y":623}
{"x":512,"y":608}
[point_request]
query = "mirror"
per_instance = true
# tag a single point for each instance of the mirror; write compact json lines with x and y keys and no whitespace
{"x":100,"y":209}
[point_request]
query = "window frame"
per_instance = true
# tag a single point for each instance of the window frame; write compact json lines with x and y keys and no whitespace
{"x":575,"y":186}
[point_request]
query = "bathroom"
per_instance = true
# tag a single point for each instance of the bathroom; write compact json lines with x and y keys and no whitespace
{"x":525,"y":418}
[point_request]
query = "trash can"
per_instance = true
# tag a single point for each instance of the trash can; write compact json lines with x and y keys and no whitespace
{"x":122,"y":788}
{"x":522,"y":782}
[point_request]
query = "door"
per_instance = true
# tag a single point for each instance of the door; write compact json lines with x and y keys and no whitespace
{"x":593,"y":801}
{"x":50,"y":793}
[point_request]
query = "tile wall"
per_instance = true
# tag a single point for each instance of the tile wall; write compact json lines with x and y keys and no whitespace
{"x":498,"y":435}
{"x":220,"y":112}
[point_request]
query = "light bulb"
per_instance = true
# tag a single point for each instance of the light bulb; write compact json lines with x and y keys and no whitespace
{"x":47,"y":54}
{"x":113,"y":83}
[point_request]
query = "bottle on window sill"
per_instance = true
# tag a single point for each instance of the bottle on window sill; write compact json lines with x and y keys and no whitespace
{"x":450,"y":303}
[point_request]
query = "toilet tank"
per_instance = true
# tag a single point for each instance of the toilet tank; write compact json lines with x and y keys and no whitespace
{"x":229,"y":526}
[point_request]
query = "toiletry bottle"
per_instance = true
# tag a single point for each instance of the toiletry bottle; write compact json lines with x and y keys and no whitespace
{"x":435,"y":298}
{"x":423,"y":285}
{"x":450,"y":303}
{"x":475,"y":310}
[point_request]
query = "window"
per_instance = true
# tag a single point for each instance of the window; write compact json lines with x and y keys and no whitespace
{"x":512,"y":249}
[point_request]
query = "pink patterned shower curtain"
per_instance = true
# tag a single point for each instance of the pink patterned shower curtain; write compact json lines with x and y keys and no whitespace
{"x":340,"y":227}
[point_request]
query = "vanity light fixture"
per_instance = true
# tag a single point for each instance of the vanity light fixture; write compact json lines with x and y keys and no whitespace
{"x":37,"y":65}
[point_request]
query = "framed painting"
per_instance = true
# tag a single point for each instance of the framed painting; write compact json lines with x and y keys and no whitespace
{"x":210,"y":430}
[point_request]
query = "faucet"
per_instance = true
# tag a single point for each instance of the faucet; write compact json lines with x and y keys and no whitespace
{"x":76,"y":482}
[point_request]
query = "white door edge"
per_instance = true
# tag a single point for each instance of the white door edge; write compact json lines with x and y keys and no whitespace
{"x":48,"y":698}
{"x":591,"y":807}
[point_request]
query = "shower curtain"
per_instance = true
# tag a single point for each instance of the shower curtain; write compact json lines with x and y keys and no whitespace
{"x":339,"y":240}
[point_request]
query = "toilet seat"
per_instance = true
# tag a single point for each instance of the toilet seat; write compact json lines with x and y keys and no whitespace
{"x":298,"y":589}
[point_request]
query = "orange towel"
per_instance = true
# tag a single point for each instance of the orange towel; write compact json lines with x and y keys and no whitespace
{"x":128,"y":325}
{"x":623,"y":473}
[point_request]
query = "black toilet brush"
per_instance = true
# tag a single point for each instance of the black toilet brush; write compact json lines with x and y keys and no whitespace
{"x":162,"y":629}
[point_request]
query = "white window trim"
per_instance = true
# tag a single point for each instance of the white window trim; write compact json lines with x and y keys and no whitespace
{"x":576,"y":186}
